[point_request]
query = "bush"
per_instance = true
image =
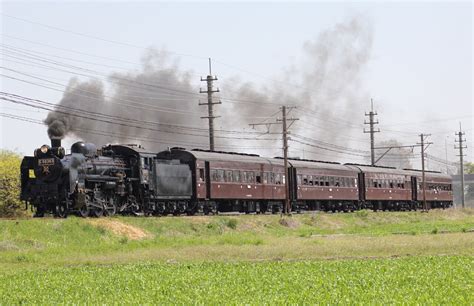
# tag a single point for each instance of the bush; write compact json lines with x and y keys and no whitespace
{"x":231,"y":223}
{"x":9,"y":184}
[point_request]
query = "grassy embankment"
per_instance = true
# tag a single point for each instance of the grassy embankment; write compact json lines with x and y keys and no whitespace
{"x":382,"y":257}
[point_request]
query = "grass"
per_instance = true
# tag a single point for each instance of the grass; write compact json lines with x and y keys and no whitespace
{"x":310,"y":236}
{"x":239,"y":259}
{"x":415,"y":280}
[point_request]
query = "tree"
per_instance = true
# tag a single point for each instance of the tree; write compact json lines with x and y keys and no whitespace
{"x":469,"y":168}
{"x":9,"y":184}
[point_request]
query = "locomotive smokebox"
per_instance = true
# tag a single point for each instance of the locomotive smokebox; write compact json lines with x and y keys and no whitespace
{"x":55,"y":142}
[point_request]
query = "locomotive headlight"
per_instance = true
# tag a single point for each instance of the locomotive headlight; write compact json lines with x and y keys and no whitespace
{"x":44,"y":149}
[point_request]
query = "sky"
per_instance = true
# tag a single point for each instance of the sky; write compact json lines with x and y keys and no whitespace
{"x":419,"y":73}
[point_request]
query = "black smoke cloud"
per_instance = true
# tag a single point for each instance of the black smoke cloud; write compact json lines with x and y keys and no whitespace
{"x":328,"y":80}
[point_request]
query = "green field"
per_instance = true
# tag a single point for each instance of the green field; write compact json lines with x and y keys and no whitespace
{"x":362,"y":257}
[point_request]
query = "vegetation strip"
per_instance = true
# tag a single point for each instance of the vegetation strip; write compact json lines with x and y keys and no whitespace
{"x":414,"y":280}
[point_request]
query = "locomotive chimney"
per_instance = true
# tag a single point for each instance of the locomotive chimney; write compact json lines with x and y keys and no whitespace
{"x":55,"y":142}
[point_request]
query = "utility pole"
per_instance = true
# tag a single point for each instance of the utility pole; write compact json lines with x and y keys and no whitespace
{"x":423,"y":148}
{"x":460,"y":146}
{"x":372,"y":131}
{"x":210,"y":104}
{"x":284,"y":122}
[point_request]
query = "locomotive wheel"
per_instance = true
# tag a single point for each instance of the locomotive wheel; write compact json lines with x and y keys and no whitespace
{"x":39,"y":213}
{"x":84,"y":211}
{"x":110,"y":210}
{"x":60,"y":211}
{"x":98,"y":212}
{"x":110,"y":207}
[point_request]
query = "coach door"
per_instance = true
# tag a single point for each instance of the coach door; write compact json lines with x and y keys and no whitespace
{"x":208,"y":180}
{"x":361,"y":178}
{"x":414,"y":189}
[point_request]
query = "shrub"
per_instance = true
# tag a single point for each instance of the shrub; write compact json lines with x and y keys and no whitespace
{"x":231,"y":223}
{"x":9,"y":184}
{"x":362,"y":213}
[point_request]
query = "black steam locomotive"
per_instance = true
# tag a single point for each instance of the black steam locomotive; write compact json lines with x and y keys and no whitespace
{"x":127,"y":179}
{"x":88,"y":181}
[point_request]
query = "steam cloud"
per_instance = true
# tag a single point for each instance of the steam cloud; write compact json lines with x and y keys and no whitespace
{"x":328,"y":80}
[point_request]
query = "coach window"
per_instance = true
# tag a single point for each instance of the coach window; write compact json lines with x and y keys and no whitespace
{"x":228,"y":176}
{"x":258,"y":178}
{"x":244,"y":176}
{"x":251,"y":177}
{"x":265,"y":177}
{"x":316,"y":180}
{"x":220,"y":175}
{"x":331,"y":181}
{"x":299,"y":179}
{"x":391,"y":184}
{"x":213,"y":175}
{"x":305,"y":180}
{"x":336,"y":182}
{"x":236,"y":174}
{"x":271,"y":178}
{"x":201,"y":174}
{"x":278,"y":178}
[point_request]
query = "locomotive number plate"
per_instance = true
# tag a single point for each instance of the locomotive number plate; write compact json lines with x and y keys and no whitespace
{"x":46,"y":162}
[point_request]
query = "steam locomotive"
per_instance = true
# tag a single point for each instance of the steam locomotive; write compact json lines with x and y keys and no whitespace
{"x":128,"y":179}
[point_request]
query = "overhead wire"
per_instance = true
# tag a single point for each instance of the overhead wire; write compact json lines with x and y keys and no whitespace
{"x":131,"y":137}
{"x":108,"y":119}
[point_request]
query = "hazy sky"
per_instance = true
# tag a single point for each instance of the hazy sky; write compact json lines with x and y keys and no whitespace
{"x":419,"y":72}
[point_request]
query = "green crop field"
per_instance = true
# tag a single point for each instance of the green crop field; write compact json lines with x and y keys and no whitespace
{"x":363,"y":257}
{"x":440,"y":280}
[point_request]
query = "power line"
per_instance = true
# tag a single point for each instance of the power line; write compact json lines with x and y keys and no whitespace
{"x":148,"y":139}
{"x":171,"y":91}
{"x":105,"y":118}
{"x":334,"y":146}
{"x":327,"y":149}
{"x":95,"y":37}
